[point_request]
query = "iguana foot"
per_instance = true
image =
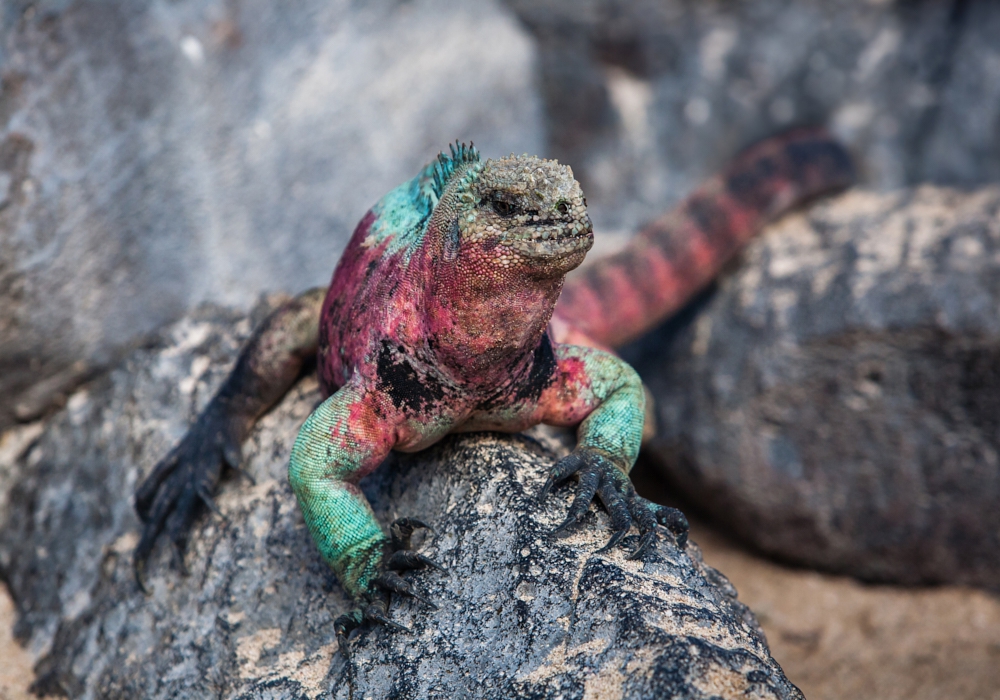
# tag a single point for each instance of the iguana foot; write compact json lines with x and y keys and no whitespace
{"x":168,"y":500}
{"x":375,"y":602}
{"x":599,"y":476}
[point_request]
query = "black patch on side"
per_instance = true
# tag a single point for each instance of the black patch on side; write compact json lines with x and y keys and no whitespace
{"x":543,"y":367}
{"x":410,"y":390}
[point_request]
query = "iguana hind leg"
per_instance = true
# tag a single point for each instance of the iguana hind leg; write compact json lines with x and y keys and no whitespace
{"x":169,"y":499}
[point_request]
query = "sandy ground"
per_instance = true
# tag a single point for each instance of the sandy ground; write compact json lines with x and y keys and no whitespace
{"x":15,"y":662}
{"x":838,"y":639}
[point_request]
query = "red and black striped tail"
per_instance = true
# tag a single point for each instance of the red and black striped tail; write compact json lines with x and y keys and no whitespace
{"x":624,"y":295}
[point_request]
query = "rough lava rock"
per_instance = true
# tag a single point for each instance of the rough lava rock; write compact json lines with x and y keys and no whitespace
{"x":836,"y":402}
{"x":522,"y":614}
{"x":155,"y":154}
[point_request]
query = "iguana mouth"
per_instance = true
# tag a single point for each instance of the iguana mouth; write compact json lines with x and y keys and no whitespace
{"x":549,"y":238}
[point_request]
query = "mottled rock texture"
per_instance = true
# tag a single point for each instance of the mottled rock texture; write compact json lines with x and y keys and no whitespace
{"x":155,"y":154}
{"x":522,"y":614}
{"x":645,"y":98}
{"x":836,"y":401}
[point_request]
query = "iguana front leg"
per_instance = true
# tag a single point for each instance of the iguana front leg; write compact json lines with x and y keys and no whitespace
{"x":344,"y":439}
{"x":267,"y":367}
{"x":604,"y":395}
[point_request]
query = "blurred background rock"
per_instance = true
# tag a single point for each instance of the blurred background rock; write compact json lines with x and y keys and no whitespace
{"x":154,"y":155}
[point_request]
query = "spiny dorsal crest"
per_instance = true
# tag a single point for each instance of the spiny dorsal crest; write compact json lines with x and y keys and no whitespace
{"x":446,"y":165}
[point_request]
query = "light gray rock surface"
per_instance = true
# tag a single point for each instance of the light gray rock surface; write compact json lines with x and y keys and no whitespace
{"x":156,"y":154}
{"x":522,"y":614}
{"x":836,"y":402}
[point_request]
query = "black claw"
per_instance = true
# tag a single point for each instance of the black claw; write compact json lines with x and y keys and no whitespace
{"x":245,"y":474}
{"x":615,"y":539}
{"x":376,"y":613}
{"x":177,"y":558}
{"x":549,"y":483}
{"x":567,"y":523}
{"x":406,"y":560}
{"x":139,"y":570}
{"x":233,"y":456}
{"x":561,"y":470}
{"x":209,"y":502}
{"x":647,"y":539}
{"x":617,"y":508}
{"x":393,"y":582}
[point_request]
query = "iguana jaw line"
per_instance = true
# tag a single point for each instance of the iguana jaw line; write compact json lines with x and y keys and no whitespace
{"x":552,"y":240}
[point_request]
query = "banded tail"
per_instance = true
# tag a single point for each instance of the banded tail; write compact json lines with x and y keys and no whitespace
{"x":624,"y":295}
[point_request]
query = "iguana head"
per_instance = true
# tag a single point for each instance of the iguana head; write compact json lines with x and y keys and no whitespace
{"x":511,"y":216}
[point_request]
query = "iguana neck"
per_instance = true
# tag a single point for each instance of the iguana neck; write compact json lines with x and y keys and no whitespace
{"x":481,"y":328}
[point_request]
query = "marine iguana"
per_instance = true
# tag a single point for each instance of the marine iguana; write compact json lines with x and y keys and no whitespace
{"x":437,"y":320}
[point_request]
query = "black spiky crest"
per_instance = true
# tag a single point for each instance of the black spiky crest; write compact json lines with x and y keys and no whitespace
{"x":446,"y":165}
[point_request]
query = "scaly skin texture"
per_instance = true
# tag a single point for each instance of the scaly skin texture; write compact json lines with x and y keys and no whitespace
{"x":438,"y":321}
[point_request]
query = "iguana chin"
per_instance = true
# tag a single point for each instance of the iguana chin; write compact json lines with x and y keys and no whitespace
{"x":437,"y":321}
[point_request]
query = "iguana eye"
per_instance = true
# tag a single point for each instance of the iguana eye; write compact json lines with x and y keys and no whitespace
{"x":563,"y":207}
{"x":502,"y":207}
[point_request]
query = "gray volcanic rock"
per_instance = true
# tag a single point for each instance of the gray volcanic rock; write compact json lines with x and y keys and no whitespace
{"x":157,"y":154}
{"x":646,"y":98}
{"x":837,"y":401}
{"x":522,"y":614}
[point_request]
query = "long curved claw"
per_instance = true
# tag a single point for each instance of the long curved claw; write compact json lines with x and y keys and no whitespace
{"x":407,"y":560}
{"x":139,"y":572}
{"x":647,"y":539}
{"x":566,"y":524}
{"x":616,"y":537}
{"x":377,"y":611}
{"x":394,"y":583}
{"x":561,"y":470}
{"x":617,"y":507}
{"x":205,"y":497}
{"x":590,"y":481}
